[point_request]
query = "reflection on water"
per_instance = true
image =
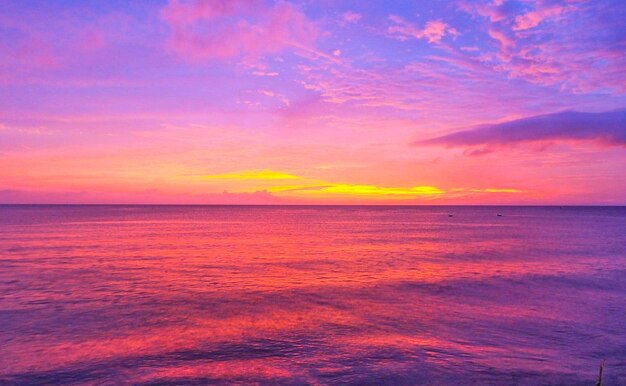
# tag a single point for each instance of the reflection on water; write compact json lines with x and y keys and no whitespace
{"x":312,"y":295}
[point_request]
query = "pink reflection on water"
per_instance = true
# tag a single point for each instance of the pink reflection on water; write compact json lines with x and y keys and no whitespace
{"x":309,"y":295}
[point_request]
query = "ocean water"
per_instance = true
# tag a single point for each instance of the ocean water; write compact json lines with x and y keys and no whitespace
{"x":312,"y":295}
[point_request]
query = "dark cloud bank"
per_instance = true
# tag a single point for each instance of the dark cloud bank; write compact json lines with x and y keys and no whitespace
{"x":607,"y":128}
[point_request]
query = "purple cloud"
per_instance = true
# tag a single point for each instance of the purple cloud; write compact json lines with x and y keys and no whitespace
{"x":607,"y":128}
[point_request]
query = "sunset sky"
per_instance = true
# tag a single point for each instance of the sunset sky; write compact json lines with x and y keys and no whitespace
{"x":339,"y":102}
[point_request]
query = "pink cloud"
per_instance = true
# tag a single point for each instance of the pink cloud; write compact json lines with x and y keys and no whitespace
{"x":495,"y":11}
{"x":210,"y":29}
{"x":433,"y":31}
{"x":506,"y":41}
{"x":265,"y":73}
{"x":579,"y":39}
{"x":351,"y":17}
{"x":533,"y":18}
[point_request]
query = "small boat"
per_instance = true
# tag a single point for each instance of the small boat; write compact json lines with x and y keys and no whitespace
{"x":450,"y":215}
{"x":499,"y":214}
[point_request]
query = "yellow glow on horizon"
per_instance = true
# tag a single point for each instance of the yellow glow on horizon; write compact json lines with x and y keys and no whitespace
{"x":330,"y":189}
{"x":321,"y":189}
{"x":289,"y":188}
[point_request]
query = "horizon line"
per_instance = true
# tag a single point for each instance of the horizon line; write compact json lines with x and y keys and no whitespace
{"x":320,"y":205}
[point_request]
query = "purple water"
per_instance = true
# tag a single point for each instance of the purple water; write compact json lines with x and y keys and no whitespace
{"x":312,"y":295}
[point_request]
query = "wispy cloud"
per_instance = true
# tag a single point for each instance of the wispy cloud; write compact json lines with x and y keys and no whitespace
{"x":543,"y":11}
{"x":351,"y":17}
{"x":556,"y":42}
{"x":330,"y":190}
{"x":265,"y":174}
{"x":433,"y":31}
{"x":319,"y":190}
{"x":209,"y":29}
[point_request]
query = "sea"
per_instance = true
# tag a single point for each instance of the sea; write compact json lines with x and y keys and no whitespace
{"x":312,"y":295}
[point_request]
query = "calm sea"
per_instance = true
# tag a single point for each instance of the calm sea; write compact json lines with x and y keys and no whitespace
{"x":312,"y":295}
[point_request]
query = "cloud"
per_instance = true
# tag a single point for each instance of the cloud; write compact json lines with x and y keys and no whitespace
{"x":506,"y":42}
{"x":607,"y":128}
{"x":213,"y":29}
{"x":341,"y":191}
{"x":433,"y":30}
{"x":494,"y":11}
{"x":351,"y":17}
{"x":353,"y":190}
{"x":302,"y":188}
{"x":533,"y":18}
{"x":576,"y":45}
{"x":265,"y":73}
{"x":265,"y":174}
{"x":307,"y":188}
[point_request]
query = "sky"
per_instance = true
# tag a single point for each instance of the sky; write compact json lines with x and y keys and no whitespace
{"x":313,"y":102}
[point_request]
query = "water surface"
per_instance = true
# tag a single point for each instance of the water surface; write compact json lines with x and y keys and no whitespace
{"x":312,"y":295}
